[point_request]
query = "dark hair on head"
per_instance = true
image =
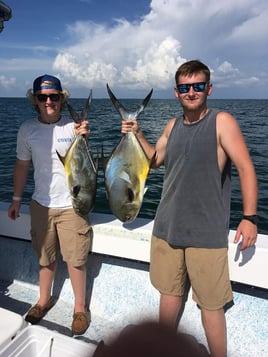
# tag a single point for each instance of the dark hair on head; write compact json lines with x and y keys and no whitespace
{"x":190,"y":68}
{"x":151,"y":339}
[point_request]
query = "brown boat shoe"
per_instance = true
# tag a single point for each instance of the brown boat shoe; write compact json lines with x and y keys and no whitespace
{"x":37,"y":312}
{"x":81,"y":322}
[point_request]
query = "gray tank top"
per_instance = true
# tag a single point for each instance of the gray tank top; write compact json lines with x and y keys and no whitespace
{"x":194,"y":208}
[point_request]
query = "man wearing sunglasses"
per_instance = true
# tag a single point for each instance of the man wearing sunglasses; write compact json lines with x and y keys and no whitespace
{"x":54,"y":224}
{"x":190,"y":233}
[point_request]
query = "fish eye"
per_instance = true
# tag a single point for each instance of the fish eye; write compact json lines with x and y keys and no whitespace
{"x":130,"y":195}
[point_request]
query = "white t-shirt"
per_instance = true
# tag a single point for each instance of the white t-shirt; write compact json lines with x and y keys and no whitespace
{"x":39,"y":142}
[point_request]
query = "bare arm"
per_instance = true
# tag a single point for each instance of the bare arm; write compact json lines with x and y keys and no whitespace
{"x":159,"y":149}
{"x":21,"y":170}
{"x":231,"y":142}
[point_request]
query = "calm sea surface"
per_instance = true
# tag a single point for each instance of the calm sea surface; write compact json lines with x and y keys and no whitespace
{"x":105,"y":125}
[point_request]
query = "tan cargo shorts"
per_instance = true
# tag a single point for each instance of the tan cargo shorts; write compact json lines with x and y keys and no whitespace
{"x":54,"y":230}
{"x":207,"y":269}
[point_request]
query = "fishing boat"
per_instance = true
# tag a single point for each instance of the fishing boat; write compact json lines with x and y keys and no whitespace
{"x":119,"y":291}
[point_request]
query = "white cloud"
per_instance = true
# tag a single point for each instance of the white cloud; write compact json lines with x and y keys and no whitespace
{"x":231,"y":37}
{"x":254,"y":27}
{"x":156,"y":68}
{"x":146,"y":53}
{"x":131,"y":55}
{"x":7,"y":82}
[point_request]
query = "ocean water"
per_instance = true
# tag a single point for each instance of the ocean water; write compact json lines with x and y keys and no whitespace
{"x":105,"y":124}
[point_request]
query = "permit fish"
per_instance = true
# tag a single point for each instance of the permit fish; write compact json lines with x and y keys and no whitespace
{"x":80,"y":167}
{"x":126,"y":169}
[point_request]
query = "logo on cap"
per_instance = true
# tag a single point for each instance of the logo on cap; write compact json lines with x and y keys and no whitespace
{"x":46,"y":82}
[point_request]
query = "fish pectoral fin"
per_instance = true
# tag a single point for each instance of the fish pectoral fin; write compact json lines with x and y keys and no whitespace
{"x":103,"y":159}
{"x":61,"y":158}
{"x":96,"y":163}
{"x":152,"y":160}
{"x":125,"y":176}
{"x":76,"y":190}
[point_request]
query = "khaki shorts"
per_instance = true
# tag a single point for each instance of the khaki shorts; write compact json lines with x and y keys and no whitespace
{"x":207,"y":269}
{"x":59,"y":229}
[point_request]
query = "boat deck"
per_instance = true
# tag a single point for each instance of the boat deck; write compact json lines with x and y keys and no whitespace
{"x":119,"y":289}
{"x":120,"y":293}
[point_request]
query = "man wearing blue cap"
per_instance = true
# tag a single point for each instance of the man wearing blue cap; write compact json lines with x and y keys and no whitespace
{"x":54,"y":223}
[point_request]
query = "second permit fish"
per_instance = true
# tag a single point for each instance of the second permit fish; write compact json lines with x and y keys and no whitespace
{"x":126,"y":169}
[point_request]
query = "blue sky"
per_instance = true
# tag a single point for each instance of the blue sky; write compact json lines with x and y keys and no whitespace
{"x":135,"y":45}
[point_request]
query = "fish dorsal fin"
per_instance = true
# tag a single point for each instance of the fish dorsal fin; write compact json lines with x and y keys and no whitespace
{"x":103,"y":159}
{"x":83,"y":116}
{"x":125,"y":114}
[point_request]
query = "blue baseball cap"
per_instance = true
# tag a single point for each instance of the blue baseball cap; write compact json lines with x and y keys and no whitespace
{"x":46,"y":82}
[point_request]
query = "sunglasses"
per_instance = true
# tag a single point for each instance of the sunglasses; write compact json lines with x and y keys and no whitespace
{"x":197,"y":87}
{"x":54,"y":97}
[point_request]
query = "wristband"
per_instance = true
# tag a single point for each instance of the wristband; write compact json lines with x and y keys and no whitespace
{"x":253,"y":219}
{"x":16,"y":198}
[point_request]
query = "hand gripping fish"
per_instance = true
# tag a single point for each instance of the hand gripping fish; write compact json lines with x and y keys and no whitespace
{"x":80,"y":168}
{"x":126,"y":169}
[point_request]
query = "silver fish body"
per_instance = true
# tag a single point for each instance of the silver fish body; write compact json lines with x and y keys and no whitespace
{"x":81,"y":173}
{"x":126,"y":171}
{"x":80,"y":168}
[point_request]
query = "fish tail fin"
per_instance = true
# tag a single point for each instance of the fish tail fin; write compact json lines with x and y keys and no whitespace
{"x":76,"y":117}
{"x":144,"y":103}
{"x":122,"y":110}
{"x":85,"y":111}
